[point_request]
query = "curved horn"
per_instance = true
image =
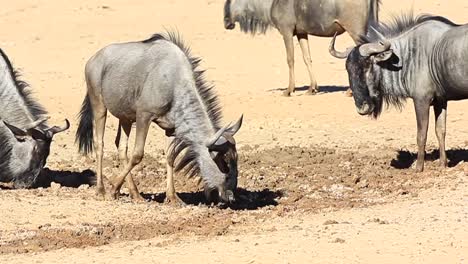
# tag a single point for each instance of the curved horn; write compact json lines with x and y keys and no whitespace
{"x":216,"y":136}
{"x":334,"y":52}
{"x":56,"y":129}
{"x":369,"y":49}
{"x":232,"y":129}
{"x":377,"y":33}
{"x":37,"y":122}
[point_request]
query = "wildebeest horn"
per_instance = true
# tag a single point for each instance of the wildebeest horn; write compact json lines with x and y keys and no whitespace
{"x":37,"y":122}
{"x":379,"y":35}
{"x":369,"y":49}
{"x":232,"y":129}
{"x":56,"y":129}
{"x":335,"y":53}
{"x":216,"y":136}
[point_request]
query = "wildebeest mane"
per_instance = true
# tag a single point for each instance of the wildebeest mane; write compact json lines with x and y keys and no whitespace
{"x":5,"y":153}
{"x":181,"y":153}
{"x":401,"y":23}
{"x":33,"y":106}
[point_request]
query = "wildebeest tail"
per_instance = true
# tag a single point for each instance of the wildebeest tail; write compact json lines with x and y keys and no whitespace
{"x":374,"y":8}
{"x":84,"y":134}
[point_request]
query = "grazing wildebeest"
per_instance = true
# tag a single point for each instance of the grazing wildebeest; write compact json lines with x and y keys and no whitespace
{"x":422,"y":58}
{"x":300,"y":18}
{"x":25,"y":137}
{"x":158,"y":80}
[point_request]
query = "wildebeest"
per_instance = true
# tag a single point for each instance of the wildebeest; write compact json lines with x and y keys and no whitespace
{"x":422,"y":58}
{"x":300,"y":18}
{"x":158,"y":80}
{"x":25,"y":137}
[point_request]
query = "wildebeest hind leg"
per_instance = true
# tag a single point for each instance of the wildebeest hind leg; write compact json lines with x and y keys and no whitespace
{"x":440,"y":112}
{"x":289,"y":44}
{"x":100,"y":115}
{"x":304,"y":43}
{"x":422,"y":116}
{"x":142,"y":125}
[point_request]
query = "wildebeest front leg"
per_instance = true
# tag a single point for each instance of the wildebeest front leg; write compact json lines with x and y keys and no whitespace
{"x":440,"y":112}
{"x":121,"y":141}
{"x":123,"y":150}
{"x":171,"y":195}
{"x":304,"y":43}
{"x":289,"y":44}
{"x":422,"y":117}
{"x":142,"y":125}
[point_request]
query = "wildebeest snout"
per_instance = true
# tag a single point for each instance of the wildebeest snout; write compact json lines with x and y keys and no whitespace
{"x":365,"y":108}
{"x":228,"y":197}
{"x":228,"y":24}
{"x":219,"y":195}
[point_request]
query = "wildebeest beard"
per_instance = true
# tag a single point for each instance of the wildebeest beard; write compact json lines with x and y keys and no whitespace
{"x":377,"y":101}
{"x":389,"y":97}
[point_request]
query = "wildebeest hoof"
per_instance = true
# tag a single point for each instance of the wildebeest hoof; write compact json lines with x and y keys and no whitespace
{"x":174,"y":200}
{"x":349,"y":93}
{"x":443,"y":163}
{"x":113,"y":195}
{"x":100,"y":191}
{"x":313,"y":89}
{"x":419,"y":168}
{"x":312,"y":92}
{"x":137,"y":198}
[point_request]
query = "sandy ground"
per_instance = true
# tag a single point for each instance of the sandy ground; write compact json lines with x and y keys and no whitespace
{"x":319,"y":183}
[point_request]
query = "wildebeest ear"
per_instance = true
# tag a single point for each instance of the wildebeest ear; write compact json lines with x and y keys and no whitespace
{"x":18,"y":132}
{"x":232,"y":129}
{"x":213,"y":154}
{"x":37,"y":134}
{"x":383,"y":56}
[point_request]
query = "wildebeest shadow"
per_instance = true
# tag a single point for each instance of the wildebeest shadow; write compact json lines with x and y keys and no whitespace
{"x":65,"y":178}
{"x":245,"y":199}
{"x":322,"y":88}
{"x":405,"y":159}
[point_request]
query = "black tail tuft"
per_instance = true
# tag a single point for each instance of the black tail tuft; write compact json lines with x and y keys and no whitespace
{"x":84,"y":134}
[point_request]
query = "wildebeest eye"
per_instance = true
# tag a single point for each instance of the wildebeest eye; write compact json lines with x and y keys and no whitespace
{"x":222,"y":161}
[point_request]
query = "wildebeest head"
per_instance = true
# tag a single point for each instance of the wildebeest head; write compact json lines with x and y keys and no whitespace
{"x":364,"y":80}
{"x":29,"y":154}
{"x":222,"y":148}
{"x":229,"y":22}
